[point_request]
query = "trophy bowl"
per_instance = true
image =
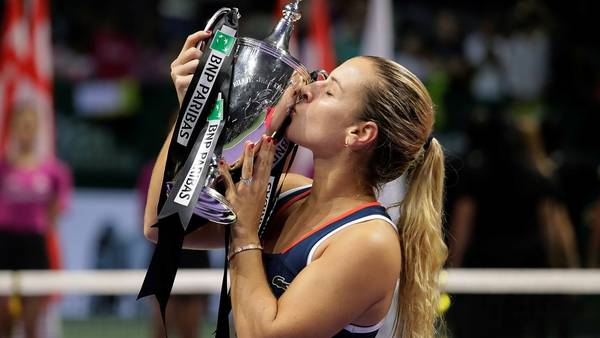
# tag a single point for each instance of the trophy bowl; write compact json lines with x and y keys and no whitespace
{"x":258,"y":84}
{"x":261,"y":74}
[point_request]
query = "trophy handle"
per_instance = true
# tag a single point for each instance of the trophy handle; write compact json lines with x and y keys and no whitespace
{"x":214,"y":19}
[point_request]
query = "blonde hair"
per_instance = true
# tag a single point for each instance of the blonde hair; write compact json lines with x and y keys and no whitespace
{"x":402,"y":108}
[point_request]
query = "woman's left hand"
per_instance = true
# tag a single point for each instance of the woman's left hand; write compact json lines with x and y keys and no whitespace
{"x":247,"y":197}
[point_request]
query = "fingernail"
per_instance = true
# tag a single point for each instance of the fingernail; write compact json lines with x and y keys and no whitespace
{"x":269,"y":139}
{"x":208,"y":32}
{"x":251,"y":145}
{"x":222,"y":162}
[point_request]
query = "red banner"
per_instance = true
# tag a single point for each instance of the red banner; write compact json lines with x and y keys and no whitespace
{"x":26,"y":69}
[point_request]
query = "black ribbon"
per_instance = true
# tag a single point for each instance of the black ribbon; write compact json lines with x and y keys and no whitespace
{"x":191,"y":122}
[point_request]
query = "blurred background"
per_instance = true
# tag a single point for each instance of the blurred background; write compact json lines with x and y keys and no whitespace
{"x":516,"y":86}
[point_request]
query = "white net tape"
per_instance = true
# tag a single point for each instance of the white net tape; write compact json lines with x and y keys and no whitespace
{"x":208,"y":281}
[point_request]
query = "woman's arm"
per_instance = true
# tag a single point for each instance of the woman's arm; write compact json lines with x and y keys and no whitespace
{"x":323,"y":298}
{"x":331,"y":292}
{"x":182,"y":70}
{"x":461,"y":228}
{"x":206,"y":237}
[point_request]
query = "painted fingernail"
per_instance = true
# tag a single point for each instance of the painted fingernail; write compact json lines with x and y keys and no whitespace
{"x":269,"y":139}
{"x":208,"y":32}
{"x":251,"y":145}
{"x":222,"y":162}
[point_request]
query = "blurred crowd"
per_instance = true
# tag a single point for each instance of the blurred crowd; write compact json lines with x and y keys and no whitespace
{"x":516,"y":86}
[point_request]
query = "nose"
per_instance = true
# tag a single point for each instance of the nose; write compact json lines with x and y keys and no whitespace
{"x":305,"y":93}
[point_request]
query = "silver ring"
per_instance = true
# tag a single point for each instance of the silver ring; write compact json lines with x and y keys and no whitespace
{"x":246,"y":181}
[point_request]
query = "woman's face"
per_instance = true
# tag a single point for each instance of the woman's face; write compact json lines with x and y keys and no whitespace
{"x":25,"y":128}
{"x":328,"y":108}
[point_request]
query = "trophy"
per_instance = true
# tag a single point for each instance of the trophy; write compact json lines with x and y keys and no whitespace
{"x":241,"y":90}
{"x":261,"y":72}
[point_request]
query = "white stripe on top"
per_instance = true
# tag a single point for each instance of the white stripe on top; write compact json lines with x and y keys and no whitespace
{"x":359,"y":220}
{"x":364,"y":329}
{"x":291,"y":191}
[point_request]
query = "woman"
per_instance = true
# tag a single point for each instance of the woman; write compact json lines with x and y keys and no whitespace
{"x":33,"y":191}
{"x":331,"y":255}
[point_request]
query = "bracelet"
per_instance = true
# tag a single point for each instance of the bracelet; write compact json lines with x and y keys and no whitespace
{"x":239,"y":249}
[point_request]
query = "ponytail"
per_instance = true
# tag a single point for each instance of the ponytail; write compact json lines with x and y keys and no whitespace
{"x":423,"y":250}
{"x":403,"y":110}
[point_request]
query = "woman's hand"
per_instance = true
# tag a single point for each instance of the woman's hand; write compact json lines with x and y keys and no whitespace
{"x":247,"y":197}
{"x":184,"y":66}
{"x":288,"y":99}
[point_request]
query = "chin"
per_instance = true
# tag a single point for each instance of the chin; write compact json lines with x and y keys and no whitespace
{"x":296,"y":133}
{"x":290,"y":135}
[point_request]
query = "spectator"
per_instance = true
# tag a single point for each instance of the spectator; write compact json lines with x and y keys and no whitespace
{"x":525,"y":53}
{"x":509,"y":216}
{"x":33,"y":192}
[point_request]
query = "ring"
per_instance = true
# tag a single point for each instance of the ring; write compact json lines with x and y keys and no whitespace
{"x":246,"y":181}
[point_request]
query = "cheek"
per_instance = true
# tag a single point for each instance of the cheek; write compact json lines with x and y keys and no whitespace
{"x":315,"y":130}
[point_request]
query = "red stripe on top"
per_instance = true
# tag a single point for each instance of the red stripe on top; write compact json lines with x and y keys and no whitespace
{"x":335,"y":219}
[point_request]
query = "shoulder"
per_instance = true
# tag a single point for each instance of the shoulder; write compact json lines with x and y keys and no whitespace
{"x":375,"y":234}
{"x":367,"y":255}
{"x":291,"y":181}
{"x":374,"y":244}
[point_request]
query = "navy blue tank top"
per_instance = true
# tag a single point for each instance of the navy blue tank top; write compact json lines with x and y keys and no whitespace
{"x":282,"y":268}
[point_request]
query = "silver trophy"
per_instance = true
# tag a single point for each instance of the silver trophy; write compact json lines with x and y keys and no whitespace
{"x":262,"y":72}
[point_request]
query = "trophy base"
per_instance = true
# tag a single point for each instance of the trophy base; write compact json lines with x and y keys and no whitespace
{"x":214,"y":207}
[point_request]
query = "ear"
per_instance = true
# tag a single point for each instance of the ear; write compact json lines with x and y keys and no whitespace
{"x":361,"y":135}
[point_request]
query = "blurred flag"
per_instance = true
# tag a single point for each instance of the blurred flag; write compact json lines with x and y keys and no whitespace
{"x":26,"y":69}
{"x":318,"y":51}
{"x":378,"y":34}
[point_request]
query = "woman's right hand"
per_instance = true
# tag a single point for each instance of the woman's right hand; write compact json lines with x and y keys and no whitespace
{"x":184,"y":66}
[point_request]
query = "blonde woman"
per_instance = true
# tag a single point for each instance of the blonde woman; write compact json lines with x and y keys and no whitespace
{"x":33,"y":192}
{"x":331,"y":257}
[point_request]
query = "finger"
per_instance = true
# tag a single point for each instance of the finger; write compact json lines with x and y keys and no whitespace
{"x":187,"y":68}
{"x":263,"y":167}
{"x":257,"y":146}
{"x":224,"y":171}
{"x":183,"y":82}
{"x":185,"y":56}
{"x":248,"y":160}
{"x":271,"y":155}
{"x":189,"y":55}
{"x":193,"y":39}
{"x":238,"y":163}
